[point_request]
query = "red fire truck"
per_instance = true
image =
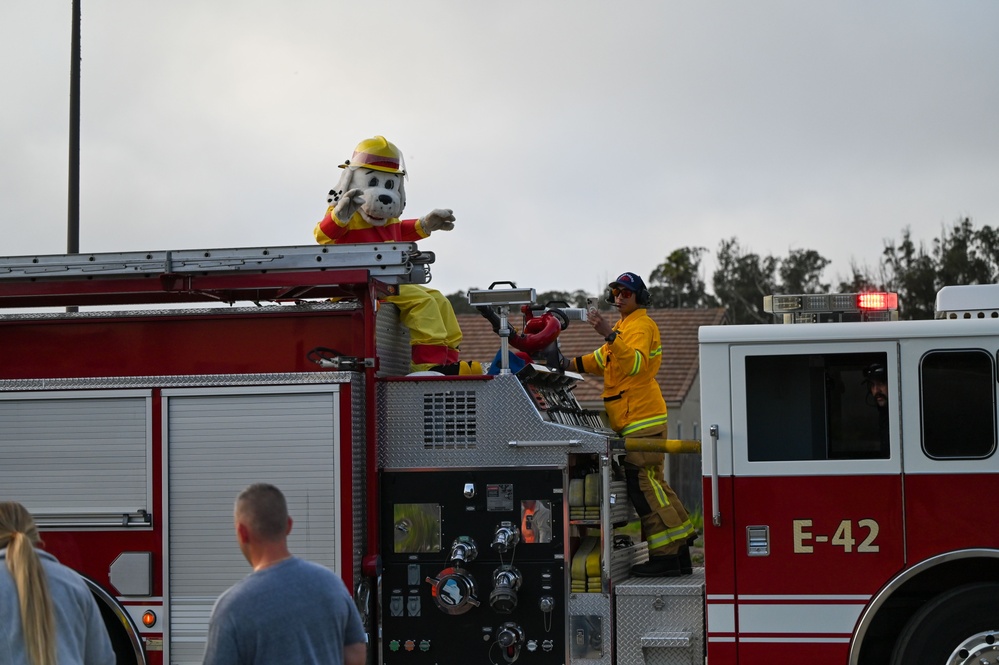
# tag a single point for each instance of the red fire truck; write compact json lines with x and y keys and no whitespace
{"x":481,"y":519}
{"x":841,"y":530}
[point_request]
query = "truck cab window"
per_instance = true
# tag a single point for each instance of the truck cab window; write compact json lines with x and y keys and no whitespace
{"x":957,"y":398}
{"x":828,"y":409}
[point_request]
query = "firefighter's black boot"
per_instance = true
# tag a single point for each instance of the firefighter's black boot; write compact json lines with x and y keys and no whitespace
{"x":667,"y":565}
{"x":686,"y":565}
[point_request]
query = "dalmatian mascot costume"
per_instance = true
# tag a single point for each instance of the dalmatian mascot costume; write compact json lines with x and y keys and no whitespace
{"x":364,"y":207}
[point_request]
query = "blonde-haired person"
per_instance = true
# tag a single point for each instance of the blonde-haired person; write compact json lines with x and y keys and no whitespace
{"x":47,"y":612}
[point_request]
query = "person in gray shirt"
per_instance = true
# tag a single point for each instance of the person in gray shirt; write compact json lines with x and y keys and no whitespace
{"x":287,"y":610}
{"x":47,"y":612}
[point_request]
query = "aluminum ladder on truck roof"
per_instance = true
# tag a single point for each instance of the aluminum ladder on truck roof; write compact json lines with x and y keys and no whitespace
{"x":208,"y":275}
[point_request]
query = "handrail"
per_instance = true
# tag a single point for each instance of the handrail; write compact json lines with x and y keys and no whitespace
{"x":606,"y":535}
{"x":108,"y":520}
{"x":570,"y":443}
{"x":650,"y":445}
{"x":716,"y":517}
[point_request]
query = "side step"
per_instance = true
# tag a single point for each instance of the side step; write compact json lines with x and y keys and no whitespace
{"x":660,"y":620}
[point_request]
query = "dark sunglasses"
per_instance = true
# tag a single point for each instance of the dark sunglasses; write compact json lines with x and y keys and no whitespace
{"x":622,"y":292}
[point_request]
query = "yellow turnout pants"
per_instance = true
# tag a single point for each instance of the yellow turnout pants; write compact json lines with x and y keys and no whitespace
{"x":665,"y":523}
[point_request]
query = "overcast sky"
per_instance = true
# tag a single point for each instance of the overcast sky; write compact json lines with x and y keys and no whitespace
{"x":574,"y":140}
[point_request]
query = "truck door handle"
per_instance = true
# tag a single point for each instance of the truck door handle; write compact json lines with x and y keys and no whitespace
{"x":716,"y":517}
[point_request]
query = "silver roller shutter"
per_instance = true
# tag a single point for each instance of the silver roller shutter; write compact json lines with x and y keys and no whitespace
{"x":77,"y":458}
{"x":218,"y":441}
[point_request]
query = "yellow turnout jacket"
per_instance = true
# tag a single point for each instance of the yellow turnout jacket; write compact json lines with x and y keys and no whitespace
{"x":629,"y":366}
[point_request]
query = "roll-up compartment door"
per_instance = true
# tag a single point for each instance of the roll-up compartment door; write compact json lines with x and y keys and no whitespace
{"x":218,"y":441}
{"x":77,"y":458}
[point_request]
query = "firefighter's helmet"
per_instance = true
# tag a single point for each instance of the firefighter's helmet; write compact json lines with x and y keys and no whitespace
{"x":379,"y":154}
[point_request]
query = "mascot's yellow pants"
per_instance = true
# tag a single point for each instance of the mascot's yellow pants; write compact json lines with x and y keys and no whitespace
{"x":434,"y":334}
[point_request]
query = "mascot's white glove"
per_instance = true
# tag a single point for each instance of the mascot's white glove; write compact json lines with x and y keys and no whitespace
{"x":437,"y":219}
{"x":348,"y":204}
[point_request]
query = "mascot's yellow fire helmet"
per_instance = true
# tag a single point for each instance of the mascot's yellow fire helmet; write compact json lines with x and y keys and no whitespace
{"x":377,"y":154}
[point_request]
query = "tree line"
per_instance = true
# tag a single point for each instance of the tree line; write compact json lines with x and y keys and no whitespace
{"x":961,"y":254}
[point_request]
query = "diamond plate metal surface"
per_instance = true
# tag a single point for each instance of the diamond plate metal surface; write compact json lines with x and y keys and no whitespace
{"x":391,"y":341}
{"x":358,"y":453}
{"x":179,"y":381}
{"x":660,"y":621}
{"x":433,"y":422}
{"x":593,"y":605}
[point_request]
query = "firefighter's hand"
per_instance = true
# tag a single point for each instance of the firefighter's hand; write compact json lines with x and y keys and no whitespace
{"x":438,"y":219}
{"x":349,"y":203}
{"x":599,"y":323}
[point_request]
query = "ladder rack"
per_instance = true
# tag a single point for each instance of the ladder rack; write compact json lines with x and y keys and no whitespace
{"x":209,"y":275}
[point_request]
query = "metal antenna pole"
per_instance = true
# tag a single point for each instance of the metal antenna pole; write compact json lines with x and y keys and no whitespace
{"x":73,"y":230}
{"x":73,"y":216}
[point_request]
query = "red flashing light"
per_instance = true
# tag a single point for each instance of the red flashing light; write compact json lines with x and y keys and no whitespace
{"x":878,"y":301}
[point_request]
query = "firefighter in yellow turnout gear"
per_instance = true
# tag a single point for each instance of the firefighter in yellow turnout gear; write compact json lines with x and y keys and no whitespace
{"x":629,"y":361}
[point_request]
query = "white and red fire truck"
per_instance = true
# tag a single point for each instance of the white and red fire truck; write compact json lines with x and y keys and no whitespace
{"x":478,"y":519}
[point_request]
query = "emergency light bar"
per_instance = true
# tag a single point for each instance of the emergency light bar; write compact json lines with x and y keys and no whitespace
{"x":832,"y":307}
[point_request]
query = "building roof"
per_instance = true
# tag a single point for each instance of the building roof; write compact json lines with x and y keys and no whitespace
{"x":679,"y":335}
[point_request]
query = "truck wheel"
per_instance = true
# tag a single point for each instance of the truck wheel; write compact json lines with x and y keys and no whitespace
{"x":958,"y":626}
{"x":125,"y":638}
